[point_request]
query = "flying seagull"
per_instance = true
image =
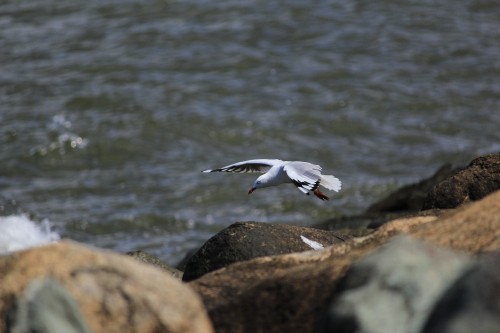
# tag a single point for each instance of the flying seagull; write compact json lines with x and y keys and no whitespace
{"x":306,"y":176}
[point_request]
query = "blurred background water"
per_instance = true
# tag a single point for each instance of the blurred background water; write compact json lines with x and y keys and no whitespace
{"x":110,"y":109}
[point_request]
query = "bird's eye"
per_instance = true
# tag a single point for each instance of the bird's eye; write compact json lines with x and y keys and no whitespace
{"x":258,"y":182}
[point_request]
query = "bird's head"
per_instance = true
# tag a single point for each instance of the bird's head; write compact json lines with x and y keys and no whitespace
{"x":259,"y":183}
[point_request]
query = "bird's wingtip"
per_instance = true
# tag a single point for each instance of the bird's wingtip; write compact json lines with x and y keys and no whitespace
{"x":330,"y":182}
{"x":206,"y":171}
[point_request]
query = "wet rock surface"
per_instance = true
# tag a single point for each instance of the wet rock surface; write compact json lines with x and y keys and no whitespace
{"x":480,"y":178}
{"x":410,"y":198}
{"x":247,"y":240}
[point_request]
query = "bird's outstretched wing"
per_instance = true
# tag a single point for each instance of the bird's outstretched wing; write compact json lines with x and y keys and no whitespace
{"x":305,"y":176}
{"x":258,"y":165}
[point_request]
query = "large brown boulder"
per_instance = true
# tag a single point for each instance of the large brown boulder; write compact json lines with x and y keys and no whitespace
{"x":480,"y":178}
{"x":288,"y":293}
{"x":247,"y":240}
{"x":114,"y":293}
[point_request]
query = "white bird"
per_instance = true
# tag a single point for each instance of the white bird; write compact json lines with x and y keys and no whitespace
{"x":306,"y":176}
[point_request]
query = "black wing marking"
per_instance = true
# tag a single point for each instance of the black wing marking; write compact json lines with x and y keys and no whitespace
{"x":304,"y":175}
{"x":306,"y":186}
{"x":244,"y":168}
{"x":257,"y":165}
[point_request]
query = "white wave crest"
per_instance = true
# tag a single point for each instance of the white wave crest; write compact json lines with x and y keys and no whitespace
{"x":18,"y":232}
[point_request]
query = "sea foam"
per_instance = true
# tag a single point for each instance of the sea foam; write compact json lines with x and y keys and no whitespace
{"x":18,"y":232}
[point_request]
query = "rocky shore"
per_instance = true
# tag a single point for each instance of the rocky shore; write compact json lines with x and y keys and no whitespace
{"x":425,"y":259}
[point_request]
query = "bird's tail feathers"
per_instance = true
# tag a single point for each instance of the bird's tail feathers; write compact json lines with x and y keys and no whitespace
{"x":330,"y":182}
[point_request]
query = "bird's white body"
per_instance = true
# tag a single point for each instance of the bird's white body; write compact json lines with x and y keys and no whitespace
{"x":306,"y":176}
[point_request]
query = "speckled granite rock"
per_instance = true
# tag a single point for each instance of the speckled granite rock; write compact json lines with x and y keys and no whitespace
{"x":115,"y":293}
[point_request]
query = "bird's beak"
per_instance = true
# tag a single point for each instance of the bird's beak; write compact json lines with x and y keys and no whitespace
{"x":251,"y":190}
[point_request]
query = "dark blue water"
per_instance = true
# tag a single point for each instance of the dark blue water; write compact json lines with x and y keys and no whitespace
{"x":109,"y":110}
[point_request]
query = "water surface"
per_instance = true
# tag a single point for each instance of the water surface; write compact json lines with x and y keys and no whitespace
{"x":110,"y":109}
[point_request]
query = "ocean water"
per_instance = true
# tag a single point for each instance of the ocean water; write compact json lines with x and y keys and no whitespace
{"x":109,"y":110}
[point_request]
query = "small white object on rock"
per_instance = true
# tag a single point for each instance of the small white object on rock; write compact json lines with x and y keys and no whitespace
{"x":314,"y":245}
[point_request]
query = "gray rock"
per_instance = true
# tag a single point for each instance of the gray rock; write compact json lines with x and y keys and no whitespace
{"x":472,"y":304}
{"x":46,"y":307}
{"x":394,"y":289}
{"x":247,"y":240}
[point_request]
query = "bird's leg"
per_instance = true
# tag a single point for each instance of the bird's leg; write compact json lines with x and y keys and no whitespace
{"x":319,"y":194}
